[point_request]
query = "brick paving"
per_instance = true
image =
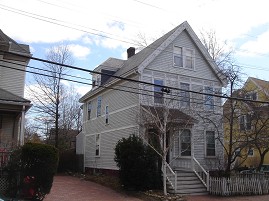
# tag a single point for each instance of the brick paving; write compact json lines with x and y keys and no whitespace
{"x":67,"y":188}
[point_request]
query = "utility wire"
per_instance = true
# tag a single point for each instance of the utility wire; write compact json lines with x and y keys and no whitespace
{"x":58,"y":22}
{"x":132,"y":80}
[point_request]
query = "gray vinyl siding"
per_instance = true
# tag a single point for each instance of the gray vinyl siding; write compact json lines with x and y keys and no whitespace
{"x":13,"y":80}
{"x":198,"y":78}
{"x":123,"y":108}
{"x":164,"y":61}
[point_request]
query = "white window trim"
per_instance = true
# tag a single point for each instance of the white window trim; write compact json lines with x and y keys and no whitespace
{"x":89,"y":116}
{"x":164,"y":84}
{"x":97,"y":107}
{"x":98,"y":144}
{"x":206,"y":106}
{"x":184,"y":57}
{"x":107,"y":114}
{"x":205,"y":140}
{"x":190,"y":98}
{"x":244,"y":116}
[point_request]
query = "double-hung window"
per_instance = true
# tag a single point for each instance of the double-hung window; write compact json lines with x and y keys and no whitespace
{"x":158,"y":94}
{"x":209,"y":99}
{"x":183,"y":57}
{"x":245,"y":122}
{"x":97,"y":145}
{"x":210,"y":143}
{"x":189,"y":59}
{"x":89,"y":110}
{"x":99,"y":104}
{"x":251,"y":95}
{"x":106,"y":114}
{"x":184,"y":95}
{"x":178,"y":56}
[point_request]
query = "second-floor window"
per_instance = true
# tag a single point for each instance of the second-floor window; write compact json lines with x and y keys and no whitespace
{"x":184,"y":95}
{"x":106,"y":114}
{"x":89,"y":110}
{"x":158,"y":94}
{"x":210,"y":143}
{"x":209,"y":99}
{"x":99,"y":104}
{"x":245,"y":122}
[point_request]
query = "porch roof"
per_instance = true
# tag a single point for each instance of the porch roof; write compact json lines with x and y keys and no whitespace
{"x":174,"y":115}
{"x":8,"y":98}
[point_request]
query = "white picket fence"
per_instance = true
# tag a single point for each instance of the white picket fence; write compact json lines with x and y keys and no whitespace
{"x":240,"y":184}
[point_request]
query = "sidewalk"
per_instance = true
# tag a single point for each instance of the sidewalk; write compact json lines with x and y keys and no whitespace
{"x":67,"y":188}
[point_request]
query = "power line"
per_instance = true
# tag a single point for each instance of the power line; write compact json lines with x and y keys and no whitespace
{"x":39,"y":17}
{"x":131,"y":80}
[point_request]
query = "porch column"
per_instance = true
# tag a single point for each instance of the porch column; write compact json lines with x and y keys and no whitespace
{"x":21,"y":140}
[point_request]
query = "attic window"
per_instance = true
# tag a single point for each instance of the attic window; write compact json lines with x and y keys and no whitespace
{"x":178,"y":58}
{"x":251,"y":96}
{"x":183,"y":57}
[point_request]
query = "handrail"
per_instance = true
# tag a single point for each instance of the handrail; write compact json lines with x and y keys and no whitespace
{"x":205,"y":180}
{"x":175,"y":177}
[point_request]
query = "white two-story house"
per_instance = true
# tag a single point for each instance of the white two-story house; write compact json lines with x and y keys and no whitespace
{"x":14,"y":58}
{"x":112,"y":109}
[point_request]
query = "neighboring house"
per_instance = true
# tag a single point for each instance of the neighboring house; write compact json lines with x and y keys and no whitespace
{"x":112,"y":108}
{"x":12,"y":103}
{"x":66,"y":138}
{"x":251,"y":124}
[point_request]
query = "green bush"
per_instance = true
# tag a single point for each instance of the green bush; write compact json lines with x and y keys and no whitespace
{"x":137,"y":164}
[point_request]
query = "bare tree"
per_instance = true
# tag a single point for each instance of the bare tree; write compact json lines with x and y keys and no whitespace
{"x":48,"y":91}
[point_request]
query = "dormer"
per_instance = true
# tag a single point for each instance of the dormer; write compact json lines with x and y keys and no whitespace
{"x":106,"y":69}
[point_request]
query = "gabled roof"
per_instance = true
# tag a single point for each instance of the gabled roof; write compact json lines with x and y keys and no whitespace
{"x":261,"y":84}
{"x":139,"y":61}
{"x":14,"y":46}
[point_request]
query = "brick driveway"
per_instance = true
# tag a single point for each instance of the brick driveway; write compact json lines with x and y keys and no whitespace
{"x":67,"y":188}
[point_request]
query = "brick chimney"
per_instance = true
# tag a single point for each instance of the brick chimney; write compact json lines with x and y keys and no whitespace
{"x":130,"y":52}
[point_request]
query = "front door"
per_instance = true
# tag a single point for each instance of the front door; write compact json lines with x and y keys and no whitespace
{"x":182,"y":149}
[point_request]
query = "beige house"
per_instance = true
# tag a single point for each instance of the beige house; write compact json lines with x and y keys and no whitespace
{"x":111,"y":108}
{"x":14,"y":58}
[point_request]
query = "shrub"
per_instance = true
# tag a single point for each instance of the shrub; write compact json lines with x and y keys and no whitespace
{"x":38,"y":166}
{"x":137,"y":164}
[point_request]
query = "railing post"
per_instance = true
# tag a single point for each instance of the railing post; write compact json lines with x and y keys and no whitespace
{"x":207,"y":182}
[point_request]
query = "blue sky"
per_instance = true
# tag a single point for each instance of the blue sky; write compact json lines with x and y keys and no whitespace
{"x":243,"y":24}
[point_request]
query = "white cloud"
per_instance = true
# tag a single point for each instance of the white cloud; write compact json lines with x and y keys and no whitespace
{"x":257,"y":47}
{"x":80,"y":52}
{"x":82,"y":90}
{"x":123,"y":19}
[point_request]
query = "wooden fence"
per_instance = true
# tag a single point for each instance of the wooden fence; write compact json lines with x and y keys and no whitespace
{"x":240,"y":184}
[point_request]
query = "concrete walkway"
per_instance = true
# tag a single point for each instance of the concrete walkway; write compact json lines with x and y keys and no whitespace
{"x":67,"y":188}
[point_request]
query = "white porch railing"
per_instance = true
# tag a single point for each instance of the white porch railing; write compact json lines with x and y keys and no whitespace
{"x":201,"y":173}
{"x":171,"y":176}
